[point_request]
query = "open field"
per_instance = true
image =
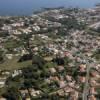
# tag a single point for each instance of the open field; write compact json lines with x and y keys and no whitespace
{"x":14,"y":64}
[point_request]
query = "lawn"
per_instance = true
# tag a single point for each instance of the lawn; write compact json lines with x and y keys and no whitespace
{"x":10,"y":43}
{"x":14,"y":64}
{"x":2,"y":90}
{"x":92,"y":32}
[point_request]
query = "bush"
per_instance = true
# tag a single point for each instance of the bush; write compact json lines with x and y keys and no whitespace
{"x":25,"y":58}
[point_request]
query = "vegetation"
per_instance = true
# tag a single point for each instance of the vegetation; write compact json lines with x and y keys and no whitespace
{"x":10,"y":44}
{"x":14,"y":64}
{"x":72,"y":23}
{"x":12,"y":94}
{"x":34,"y":77}
{"x":96,"y":54}
{"x":1,"y":57}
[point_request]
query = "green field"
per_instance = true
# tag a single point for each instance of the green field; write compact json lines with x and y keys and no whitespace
{"x":14,"y":64}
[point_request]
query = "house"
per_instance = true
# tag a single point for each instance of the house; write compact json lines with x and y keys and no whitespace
{"x":72,"y":84}
{"x":68,"y":78}
{"x":3,"y":78}
{"x":9,"y":56}
{"x":74,"y":95}
{"x":60,"y":68}
{"x":48,"y":81}
{"x":82,"y":68}
{"x":54,"y":78}
{"x":82,"y":79}
{"x":16,"y":72}
{"x":34,"y":92}
{"x":36,"y":28}
{"x":52,"y":70}
{"x":2,"y":83}
{"x":92,"y":97}
{"x":2,"y":98}
{"x":66,"y":53}
{"x":93,"y":82}
{"x":23,"y":92}
{"x":5,"y":72}
{"x":67,"y":89}
{"x":78,"y":59}
{"x":92,"y":90}
{"x":60,"y":92}
{"x":94,"y":74}
{"x":62,"y":84}
{"x":27,"y":98}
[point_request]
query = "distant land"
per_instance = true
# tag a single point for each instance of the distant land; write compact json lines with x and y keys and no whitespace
{"x":27,"y":7}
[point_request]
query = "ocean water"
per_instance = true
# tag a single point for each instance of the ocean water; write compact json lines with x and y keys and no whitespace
{"x":26,"y":7}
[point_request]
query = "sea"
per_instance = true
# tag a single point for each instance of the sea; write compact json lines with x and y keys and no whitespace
{"x":27,"y":7}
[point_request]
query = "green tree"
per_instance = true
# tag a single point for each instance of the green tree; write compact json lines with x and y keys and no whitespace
{"x":1,"y":57}
{"x":38,"y":60}
{"x":12,"y":94}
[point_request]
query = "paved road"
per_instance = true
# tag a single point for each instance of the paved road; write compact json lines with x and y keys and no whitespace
{"x":95,"y":25}
{"x":63,"y":88}
{"x":86,"y":86}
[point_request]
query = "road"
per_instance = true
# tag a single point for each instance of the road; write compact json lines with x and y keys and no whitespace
{"x":95,"y":25}
{"x":63,"y":88}
{"x":86,"y":86}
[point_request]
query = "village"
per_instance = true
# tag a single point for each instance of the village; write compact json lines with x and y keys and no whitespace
{"x":51,"y":55}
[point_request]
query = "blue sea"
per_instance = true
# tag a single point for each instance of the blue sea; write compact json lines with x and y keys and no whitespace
{"x":27,"y":7}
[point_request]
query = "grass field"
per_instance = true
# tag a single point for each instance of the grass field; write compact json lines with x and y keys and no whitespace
{"x":14,"y":64}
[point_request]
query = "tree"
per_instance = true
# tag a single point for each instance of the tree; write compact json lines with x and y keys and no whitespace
{"x":25,"y":39}
{"x":25,"y":58}
{"x":12,"y":94}
{"x":96,"y":54}
{"x":66,"y":60}
{"x":38,"y":60}
{"x":1,"y":57}
{"x":27,"y":85}
{"x":59,"y":61}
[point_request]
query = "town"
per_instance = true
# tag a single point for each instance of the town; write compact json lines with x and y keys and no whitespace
{"x":51,"y":55}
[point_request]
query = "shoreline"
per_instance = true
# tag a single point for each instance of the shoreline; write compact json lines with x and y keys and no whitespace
{"x":39,"y":10}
